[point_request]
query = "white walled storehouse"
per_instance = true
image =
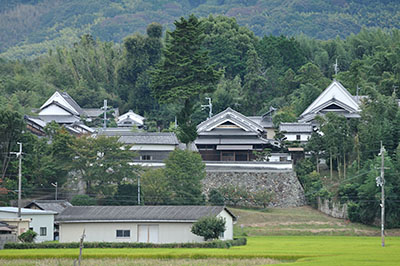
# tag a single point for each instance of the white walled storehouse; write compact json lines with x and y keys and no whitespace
{"x":42,"y":222}
{"x":300,"y":132}
{"x":149,"y":224}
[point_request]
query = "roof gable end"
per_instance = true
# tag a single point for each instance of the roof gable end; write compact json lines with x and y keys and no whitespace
{"x":334,"y":91}
{"x":232,"y":116}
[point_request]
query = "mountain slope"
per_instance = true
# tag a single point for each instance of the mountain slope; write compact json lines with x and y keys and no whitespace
{"x":31,"y":27}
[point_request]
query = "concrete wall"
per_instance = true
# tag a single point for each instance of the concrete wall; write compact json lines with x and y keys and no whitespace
{"x":37,"y":221}
{"x":283,"y":184}
{"x":106,"y":232}
{"x":293,"y":136}
{"x":228,"y":234}
{"x":7,"y":238}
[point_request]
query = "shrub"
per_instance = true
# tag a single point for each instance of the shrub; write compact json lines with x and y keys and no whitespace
{"x":234,"y":195}
{"x":262,"y":198}
{"x":209,"y":227}
{"x":28,"y":236}
{"x":215,"y":198}
{"x":83,"y":200}
{"x":211,"y":244}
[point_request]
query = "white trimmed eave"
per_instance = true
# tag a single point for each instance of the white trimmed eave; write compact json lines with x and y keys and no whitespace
{"x":57,"y":97}
{"x":317,"y":102}
{"x":232,"y":116}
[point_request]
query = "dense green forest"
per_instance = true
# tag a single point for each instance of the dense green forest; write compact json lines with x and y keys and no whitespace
{"x":32,"y":27}
{"x":254,"y":73}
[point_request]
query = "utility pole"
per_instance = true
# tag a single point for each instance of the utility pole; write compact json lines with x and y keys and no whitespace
{"x":138,"y":190}
{"x":105,"y":114}
{"x":209,"y":105}
{"x":55,"y":185}
{"x":336,"y":67}
{"x":19,"y":156}
{"x":380,"y":181}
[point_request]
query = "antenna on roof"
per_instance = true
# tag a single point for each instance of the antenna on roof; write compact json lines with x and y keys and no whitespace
{"x":336,"y":67}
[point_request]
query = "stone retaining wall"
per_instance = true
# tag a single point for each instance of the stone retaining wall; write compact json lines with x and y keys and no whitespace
{"x":332,"y":208}
{"x":284,"y":185}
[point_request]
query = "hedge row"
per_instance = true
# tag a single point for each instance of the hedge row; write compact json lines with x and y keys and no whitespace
{"x":210,"y":244}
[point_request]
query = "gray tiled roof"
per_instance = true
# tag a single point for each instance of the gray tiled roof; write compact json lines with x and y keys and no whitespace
{"x":72,"y":102}
{"x":167,"y":138}
{"x":295,"y":127}
{"x":138,"y":213}
{"x":51,"y":205}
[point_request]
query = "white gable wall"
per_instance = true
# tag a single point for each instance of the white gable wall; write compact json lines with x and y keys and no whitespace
{"x":54,"y":110}
{"x":57,"y":97}
{"x":334,"y":90}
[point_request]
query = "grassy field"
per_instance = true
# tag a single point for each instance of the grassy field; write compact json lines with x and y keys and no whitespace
{"x":294,"y":236}
{"x":299,"y":221}
{"x":293,"y":250}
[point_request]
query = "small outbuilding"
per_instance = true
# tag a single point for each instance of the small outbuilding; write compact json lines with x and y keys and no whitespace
{"x":148,"y":224}
{"x":42,"y":222}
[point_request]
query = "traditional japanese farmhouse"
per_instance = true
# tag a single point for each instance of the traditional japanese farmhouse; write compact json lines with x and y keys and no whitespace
{"x":148,"y":224}
{"x":150,"y":146}
{"x":130,"y":119}
{"x":335,"y":98}
{"x":231,"y":136}
{"x":299,"y":132}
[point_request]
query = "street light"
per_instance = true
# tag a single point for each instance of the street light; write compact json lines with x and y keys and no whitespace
{"x":55,"y":185}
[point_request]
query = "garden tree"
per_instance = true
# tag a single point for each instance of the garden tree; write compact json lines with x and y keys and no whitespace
{"x":83,"y":200}
{"x":337,"y":140}
{"x":209,"y":227}
{"x":184,"y":73}
{"x":366,"y":206}
{"x":228,"y":44}
{"x":103,"y":163}
{"x":184,"y":171}
{"x":28,"y":236}
{"x":281,"y":52}
{"x":156,"y":188}
{"x":11,"y":126}
{"x":227,"y":94}
{"x":126,"y":194}
{"x":285,"y":114}
{"x":215,"y":198}
{"x":315,"y":145}
{"x":310,"y":73}
{"x":380,"y":121}
{"x":304,"y":96}
{"x":262,"y":198}
{"x":140,"y":54}
{"x":234,"y":194}
{"x":255,"y":89}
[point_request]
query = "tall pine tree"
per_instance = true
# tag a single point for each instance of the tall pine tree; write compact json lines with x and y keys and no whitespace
{"x":184,"y":73}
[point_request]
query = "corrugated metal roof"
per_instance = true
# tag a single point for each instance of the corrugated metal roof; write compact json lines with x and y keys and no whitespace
{"x":166,"y":138}
{"x":24,"y":210}
{"x":50,"y":205}
{"x":138,"y":213}
{"x":295,"y":127}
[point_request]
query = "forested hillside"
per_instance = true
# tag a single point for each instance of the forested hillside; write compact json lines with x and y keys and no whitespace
{"x":31,"y":27}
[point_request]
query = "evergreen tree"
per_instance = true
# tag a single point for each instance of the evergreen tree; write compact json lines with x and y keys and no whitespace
{"x":184,"y":73}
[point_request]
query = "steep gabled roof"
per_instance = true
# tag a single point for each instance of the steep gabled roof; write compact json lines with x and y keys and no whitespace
{"x":65,"y":100}
{"x":50,"y":205}
{"x":133,"y":116}
{"x":336,"y":93}
{"x":230,"y":115}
